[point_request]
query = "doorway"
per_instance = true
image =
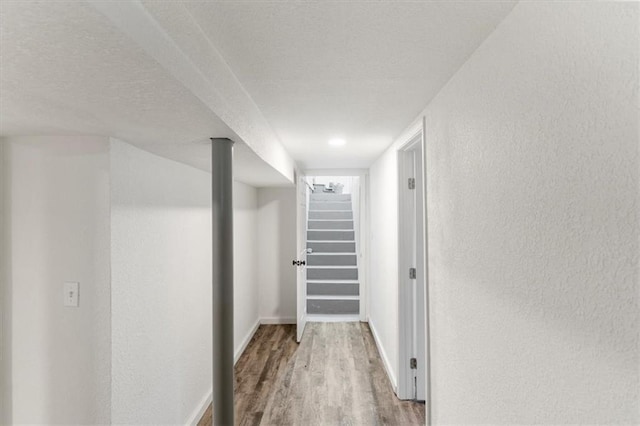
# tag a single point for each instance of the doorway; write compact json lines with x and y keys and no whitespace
{"x":333,"y":273}
{"x":412,"y":270}
{"x":331,"y":232}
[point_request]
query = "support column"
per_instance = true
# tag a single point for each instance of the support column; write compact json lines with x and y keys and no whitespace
{"x":222,"y":254}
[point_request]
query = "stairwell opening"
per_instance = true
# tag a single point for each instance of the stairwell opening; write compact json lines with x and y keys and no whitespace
{"x":333,"y":235}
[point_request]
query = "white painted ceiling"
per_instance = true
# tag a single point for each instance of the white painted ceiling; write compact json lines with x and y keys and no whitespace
{"x":361,"y":70}
{"x":315,"y":70}
{"x":65,"y":70}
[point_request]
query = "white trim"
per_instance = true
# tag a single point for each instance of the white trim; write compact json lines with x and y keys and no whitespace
{"x":331,"y":241}
{"x":331,"y":297}
{"x":330,"y":230}
{"x":385,"y":359}
{"x":330,"y":211}
{"x":206,"y":401}
{"x":200,"y":409}
{"x":332,"y":266}
{"x":412,"y":254}
{"x":333,"y":318}
{"x":427,"y":300}
{"x":336,"y":253}
{"x":278,"y":320}
{"x":246,"y":341}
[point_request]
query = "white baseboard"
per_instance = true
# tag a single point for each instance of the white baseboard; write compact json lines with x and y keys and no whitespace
{"x":202,"y":407}
{"x":385,"y":359}
{"x":278,"y":320}
{"x":204,"y":404}
{"x":246,"y":341}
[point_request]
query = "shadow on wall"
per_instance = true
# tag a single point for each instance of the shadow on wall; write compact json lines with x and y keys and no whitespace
{"x":58,"y":208}
{"x":277,"y":245}
{"x":5,"y":287}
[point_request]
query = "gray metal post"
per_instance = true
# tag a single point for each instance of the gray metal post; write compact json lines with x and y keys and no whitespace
{"x":222,"y":234}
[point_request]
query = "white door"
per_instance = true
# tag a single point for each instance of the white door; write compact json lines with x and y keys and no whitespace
{"x":302,"y":197}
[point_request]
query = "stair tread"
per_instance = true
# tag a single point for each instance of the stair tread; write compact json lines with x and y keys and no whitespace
{"x":330,"y":317}
{"x":330,"y":281}
{"x":333,"y":241}
{"x":332,"y":267}
{"x":328,"y":253}
{"x":332,"y":229}
{"x":331,"y":297}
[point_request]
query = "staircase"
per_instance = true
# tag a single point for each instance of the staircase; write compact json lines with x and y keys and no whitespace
{"x":332,"y":267}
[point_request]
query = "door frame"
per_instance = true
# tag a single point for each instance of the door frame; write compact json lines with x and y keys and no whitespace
{"x":362,"y":237}
{"x":412,"y":253}
{"x":302,"y":209}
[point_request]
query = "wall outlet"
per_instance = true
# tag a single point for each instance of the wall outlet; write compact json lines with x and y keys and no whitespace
{"x":71,"y":294}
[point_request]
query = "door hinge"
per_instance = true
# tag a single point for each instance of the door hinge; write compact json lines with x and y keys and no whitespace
{"x":413,"y":363}
{"x":412,"y":183}
{"x":412,"y":273}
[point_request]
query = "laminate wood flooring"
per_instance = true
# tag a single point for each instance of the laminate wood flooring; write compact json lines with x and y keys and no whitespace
{"x":334,"y":377}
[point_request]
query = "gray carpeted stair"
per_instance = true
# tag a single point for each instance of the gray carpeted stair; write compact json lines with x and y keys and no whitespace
{"x":332,"y":267}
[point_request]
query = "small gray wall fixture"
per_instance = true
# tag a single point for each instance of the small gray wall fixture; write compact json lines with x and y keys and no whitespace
{"x":332,"y":269}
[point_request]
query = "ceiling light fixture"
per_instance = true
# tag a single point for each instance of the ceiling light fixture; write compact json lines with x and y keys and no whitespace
{"x":337,"y":142}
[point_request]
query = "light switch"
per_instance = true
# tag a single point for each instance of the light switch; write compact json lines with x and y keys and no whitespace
{"x":71,"y":294}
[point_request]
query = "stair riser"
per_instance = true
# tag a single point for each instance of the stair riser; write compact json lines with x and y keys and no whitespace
{"x":330,"y":235}
{"x":330,"y":215}
{"x":332,"y":274}
{"x":327,"y":205}
{"x":334,"y":307}
{"x":329,"y":289}
{"x":330,"y":197}
{"x":332,"y":260}
{"x":337,"y":247}
{"x":330,"y":224}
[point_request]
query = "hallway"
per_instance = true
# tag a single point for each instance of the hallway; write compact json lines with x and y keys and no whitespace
{"x":189,"y":188}
{"x":335,"y":376}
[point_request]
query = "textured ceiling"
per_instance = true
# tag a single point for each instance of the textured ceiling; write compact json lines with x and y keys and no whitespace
{"x":308,"y":71}
{"x":359,"y":70}
{"x":65,"y":70}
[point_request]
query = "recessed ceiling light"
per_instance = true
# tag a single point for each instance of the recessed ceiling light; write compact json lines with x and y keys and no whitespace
{"x":337,"y":142}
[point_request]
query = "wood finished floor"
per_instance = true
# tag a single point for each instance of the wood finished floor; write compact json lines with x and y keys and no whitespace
{"x":334,"y":377}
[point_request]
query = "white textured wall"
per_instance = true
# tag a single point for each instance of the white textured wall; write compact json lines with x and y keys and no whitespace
{"x":161,"y":239}
{"x":383,"y":259}
{"x":245,"y":264}
{"x":59,"y":211}
{"x":161,"y":287}
{"x":277,"y":248}
{"x":533,"y":187}
{"x":5,"y":295}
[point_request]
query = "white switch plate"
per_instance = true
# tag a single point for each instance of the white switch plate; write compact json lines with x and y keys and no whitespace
{"x":71,"y":294}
